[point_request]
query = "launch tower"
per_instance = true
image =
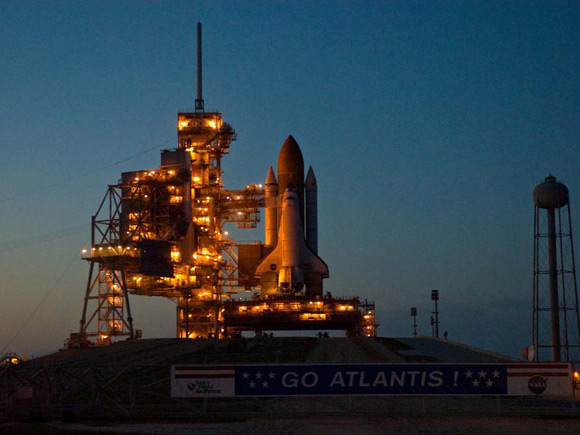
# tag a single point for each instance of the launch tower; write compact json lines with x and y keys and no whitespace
{"x":161,"y":232}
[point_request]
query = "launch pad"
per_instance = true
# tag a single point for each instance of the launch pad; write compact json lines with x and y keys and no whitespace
{"x":161,"y":232}
{"x":295,"y":313}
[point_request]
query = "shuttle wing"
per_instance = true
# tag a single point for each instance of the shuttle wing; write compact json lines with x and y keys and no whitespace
{"x":310,"y":261}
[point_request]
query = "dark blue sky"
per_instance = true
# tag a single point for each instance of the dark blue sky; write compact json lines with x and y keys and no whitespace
{"x":427,"y":123}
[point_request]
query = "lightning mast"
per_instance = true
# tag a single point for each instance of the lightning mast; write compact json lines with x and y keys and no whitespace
{"x":199,"y":99}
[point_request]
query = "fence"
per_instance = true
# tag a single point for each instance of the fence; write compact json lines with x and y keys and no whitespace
{"x":141,"y":392}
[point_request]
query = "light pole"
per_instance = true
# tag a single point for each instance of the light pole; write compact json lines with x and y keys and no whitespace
{"x":414,"y":316}
{"x":435,"y":298}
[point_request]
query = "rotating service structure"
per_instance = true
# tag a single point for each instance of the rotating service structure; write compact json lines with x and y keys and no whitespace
{"x":161,"y":232}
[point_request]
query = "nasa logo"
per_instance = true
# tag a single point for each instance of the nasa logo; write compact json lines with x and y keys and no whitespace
{"x":537,"y":384}
{"x":272,"y":266}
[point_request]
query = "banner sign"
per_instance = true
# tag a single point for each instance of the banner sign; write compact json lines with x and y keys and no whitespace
{"x":535,"y":379}
{"x":202,"y":381}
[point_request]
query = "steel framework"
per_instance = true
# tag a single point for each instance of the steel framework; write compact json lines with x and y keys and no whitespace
{"x":554,"y":232}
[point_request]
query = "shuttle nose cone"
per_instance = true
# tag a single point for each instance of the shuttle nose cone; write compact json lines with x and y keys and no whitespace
{"x":291,"y":171}
{"x":290,"y":159}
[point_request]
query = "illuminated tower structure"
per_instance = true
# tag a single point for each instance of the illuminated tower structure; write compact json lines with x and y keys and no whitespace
{"x":161,"y":233}
{"x":555,"y":297}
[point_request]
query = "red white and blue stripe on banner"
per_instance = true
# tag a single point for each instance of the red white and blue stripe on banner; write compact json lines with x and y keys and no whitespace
{"x":371,"y":379}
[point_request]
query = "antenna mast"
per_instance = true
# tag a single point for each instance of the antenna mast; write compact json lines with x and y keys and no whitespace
{"x":199,"y":99}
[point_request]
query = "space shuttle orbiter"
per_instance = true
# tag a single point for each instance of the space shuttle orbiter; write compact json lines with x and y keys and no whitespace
{"x":293,"y":265}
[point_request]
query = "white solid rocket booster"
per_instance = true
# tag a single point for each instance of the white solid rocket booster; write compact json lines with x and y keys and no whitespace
{"x":311,"y":211}
{"x":271,"y":209}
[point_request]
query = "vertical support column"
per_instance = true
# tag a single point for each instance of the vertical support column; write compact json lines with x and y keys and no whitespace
{"x":553,"y":273}
{"x":185,"y":314}
{"x":562,"y":275}
{"x":126,"y":295}
{"x":88,"y":292}
{"x":535,"y":296}
{"x":217,"y":322}
{"x":574,"y":281}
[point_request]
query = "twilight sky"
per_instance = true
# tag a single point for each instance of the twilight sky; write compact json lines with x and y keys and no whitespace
{"x":428,"y":124}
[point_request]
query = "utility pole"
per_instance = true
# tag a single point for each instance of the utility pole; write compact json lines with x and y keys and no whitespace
{"x":432,"y":326}
{"x":435,"y":320}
